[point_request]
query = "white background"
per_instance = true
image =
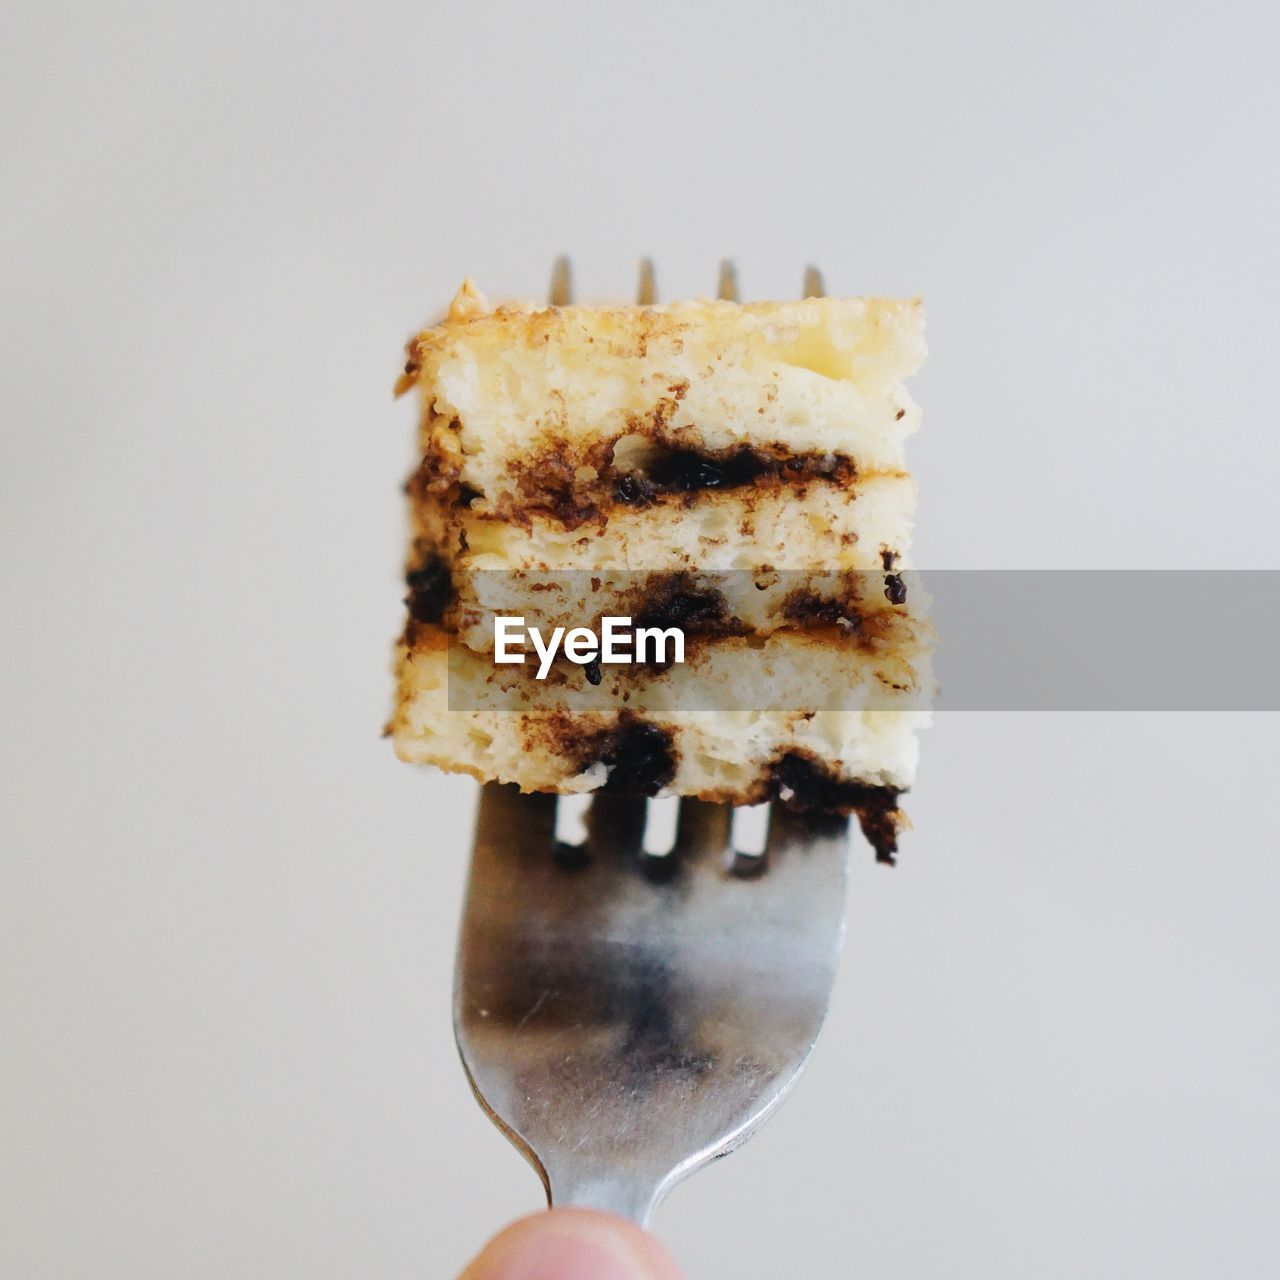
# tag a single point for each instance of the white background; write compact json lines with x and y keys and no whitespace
{"x":226,"y":911}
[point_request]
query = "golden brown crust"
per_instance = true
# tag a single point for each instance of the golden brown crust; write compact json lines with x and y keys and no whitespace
{"x":623,"y":331}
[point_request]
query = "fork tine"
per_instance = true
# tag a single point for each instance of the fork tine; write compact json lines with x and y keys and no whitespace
{"x":646,"y":296}
{"x":727,"y":285}
{"x":807,"y":844}
{"x":615,"y":824}
{"x":561,"y":282}
{"x":504,"y":809}
{"x":813,"y":285}
{"x":647,"y":290}
{"x":702,"y":829}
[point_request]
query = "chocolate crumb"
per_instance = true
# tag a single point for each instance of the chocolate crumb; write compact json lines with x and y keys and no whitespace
{"x":805,"y":605}
{"x":630,"y":489}
{"x":430,"y":589}
{"x":895,"y":590}
{"x":680,"y":602}
{"x":802,"y":782}
{"x":640,"y":757}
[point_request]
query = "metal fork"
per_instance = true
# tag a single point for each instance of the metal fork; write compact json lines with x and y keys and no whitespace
{"x":626,"y":1017}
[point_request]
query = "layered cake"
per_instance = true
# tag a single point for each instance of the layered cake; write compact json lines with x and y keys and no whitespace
{"x":733,"y":471}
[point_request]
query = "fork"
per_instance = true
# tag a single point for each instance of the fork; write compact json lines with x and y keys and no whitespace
{"x":629,"y":1008}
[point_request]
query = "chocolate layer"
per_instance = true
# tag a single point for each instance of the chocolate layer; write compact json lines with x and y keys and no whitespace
{"x":575,"y":487}
{"x":686,"y":471}
{"x":674,"y":599}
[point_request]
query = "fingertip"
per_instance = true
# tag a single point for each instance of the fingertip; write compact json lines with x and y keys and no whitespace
{"x":573,"y":1244}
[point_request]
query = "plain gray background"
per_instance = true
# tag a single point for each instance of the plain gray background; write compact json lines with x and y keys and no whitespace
{"x":226,"y":911}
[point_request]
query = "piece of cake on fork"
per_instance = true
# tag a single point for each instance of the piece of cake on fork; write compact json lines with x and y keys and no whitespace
{"x":735,"y":470}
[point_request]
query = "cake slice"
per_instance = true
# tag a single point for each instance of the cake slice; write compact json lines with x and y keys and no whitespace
{"x":734,"y":471}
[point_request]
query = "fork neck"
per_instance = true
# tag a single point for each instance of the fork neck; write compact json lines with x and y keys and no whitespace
{"x":634,"y":1197}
